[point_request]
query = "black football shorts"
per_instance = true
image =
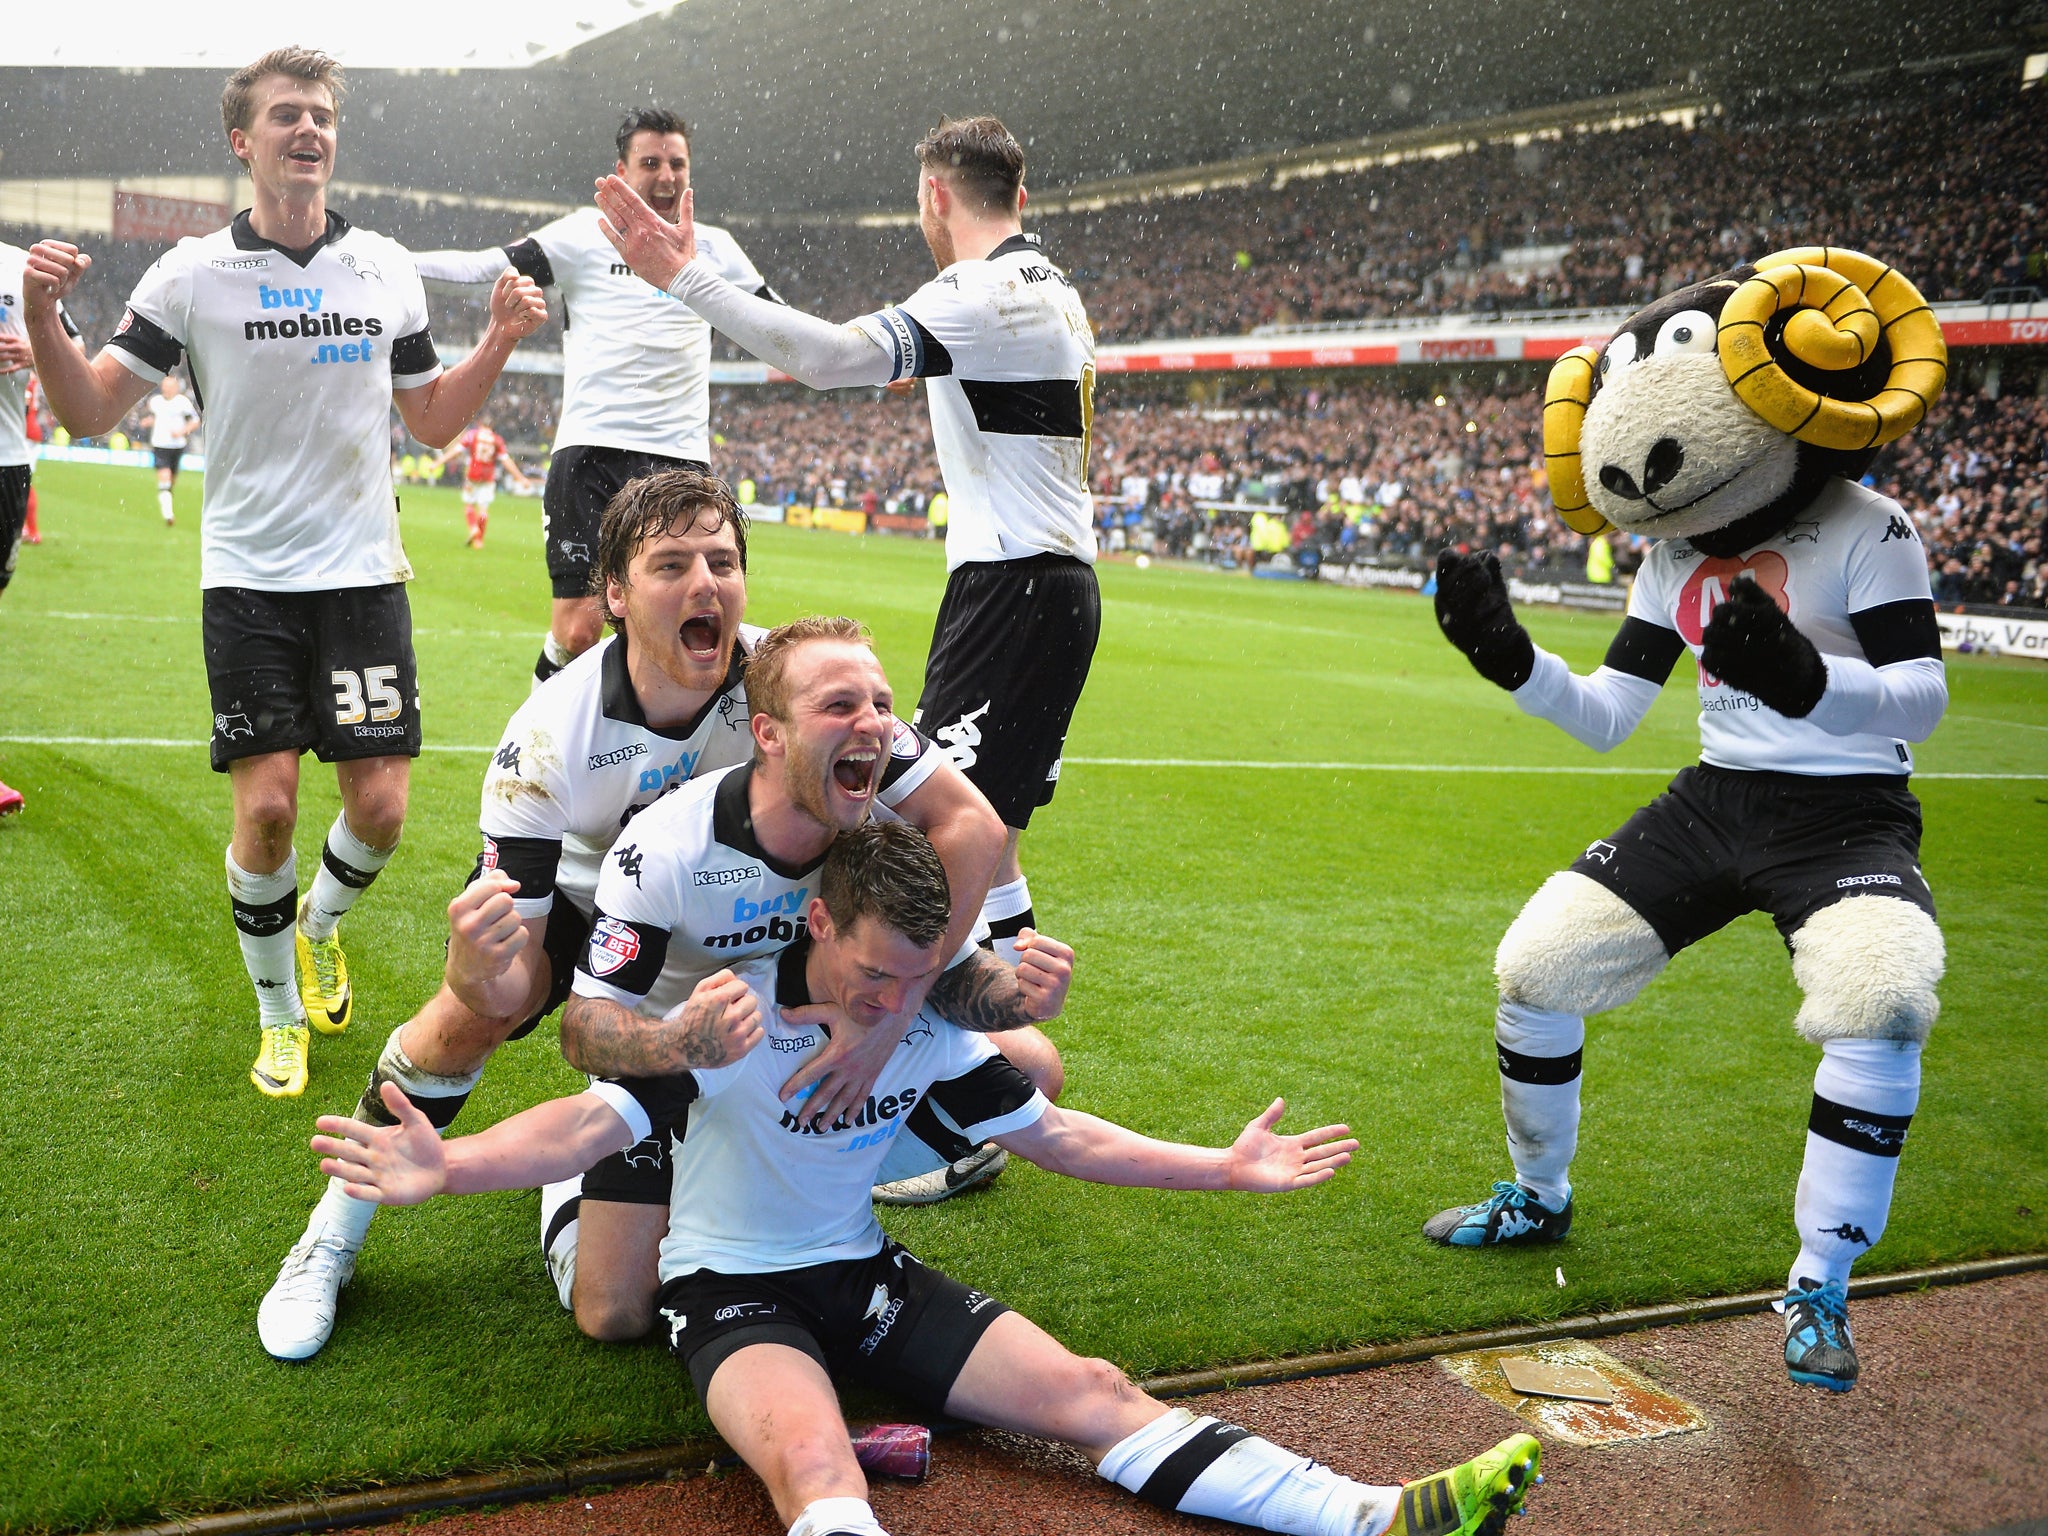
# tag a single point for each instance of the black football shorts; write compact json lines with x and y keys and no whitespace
{"x":1010,"y":655}
{"x":581,"y":482}
{"x":330,"y":672}
{"x":168,"y":458}
{"x":888,"y":1321}
{"x":1721,"y":842}
{"x":14,"y":480}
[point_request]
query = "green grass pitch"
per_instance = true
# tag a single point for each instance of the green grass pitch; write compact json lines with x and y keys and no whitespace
{"x":1322,"y":932}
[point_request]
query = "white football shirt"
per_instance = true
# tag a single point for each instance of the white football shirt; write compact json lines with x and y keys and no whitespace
{"x":692,"y":890}
{"x":171,"y":421}
{"x":578,"y":761}
{"x":294,"y":356}
{"x":1008,"y":357}
{"x":15,"y":448}
{"x":1851,"y":550}
{"x":636,"y":363}
{"x":755,"y":1189}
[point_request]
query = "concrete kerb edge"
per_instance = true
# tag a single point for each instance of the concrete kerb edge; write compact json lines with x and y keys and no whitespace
{"x":523,"y":1484}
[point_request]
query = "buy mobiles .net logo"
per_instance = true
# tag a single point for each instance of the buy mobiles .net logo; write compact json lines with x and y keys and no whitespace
{"x":312,"y":321}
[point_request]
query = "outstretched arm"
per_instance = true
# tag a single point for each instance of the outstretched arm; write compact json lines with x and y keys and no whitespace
{"x":1102,"y":1152}
{"x":808,"y":349}
{"x":407,"y":1163}
{"x":1475,"y":614}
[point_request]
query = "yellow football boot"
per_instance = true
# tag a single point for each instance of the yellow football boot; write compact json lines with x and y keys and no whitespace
{"x":280,"y":1069}
{"x":323,"y":982}
{"x":1474,"y":1498}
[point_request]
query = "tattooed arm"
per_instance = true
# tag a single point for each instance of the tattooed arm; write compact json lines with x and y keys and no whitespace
{"x":718,"y":1023}
{"x":985,"y":995}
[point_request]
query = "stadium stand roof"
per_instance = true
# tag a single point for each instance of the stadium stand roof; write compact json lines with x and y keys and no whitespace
{"x":810,"y":106}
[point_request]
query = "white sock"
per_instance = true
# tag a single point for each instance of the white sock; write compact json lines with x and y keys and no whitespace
{"x":837,"y":1517}
{"x":1864,"y":1095}
{"x":559,"y":1206}
{"x":555,"y":651}
{"x":347,"y":866}
{"x":1007,"y":910}
{"x":163,"y":504}
{"x":1539,"y":1054}
{"x":340,"y":1214}
{"x":1226,"y":1474}
{"x":263,"y":906}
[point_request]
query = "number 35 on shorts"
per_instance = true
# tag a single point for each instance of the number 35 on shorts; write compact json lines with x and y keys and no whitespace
{"x":366,"y":695}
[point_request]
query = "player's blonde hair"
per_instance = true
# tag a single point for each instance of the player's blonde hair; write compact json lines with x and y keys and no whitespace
{"x":238,"y":97}
{"x":768,"y":662}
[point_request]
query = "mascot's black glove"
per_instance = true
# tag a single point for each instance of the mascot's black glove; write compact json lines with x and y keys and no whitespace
{"x":1473,"y":611}
{"x":1751,"y":644}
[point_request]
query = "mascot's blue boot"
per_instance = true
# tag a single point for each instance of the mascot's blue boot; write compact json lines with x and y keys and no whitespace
{"x":1511,"y":1214}
{"x":1818,"y":1349}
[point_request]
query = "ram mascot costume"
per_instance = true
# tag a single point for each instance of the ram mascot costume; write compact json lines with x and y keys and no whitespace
{"x":1731,"y":422}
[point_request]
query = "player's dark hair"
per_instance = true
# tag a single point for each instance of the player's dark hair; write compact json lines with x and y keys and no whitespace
{"x":768,"y":661}
{"x":238,"y":97}
{"x":649,"y":120}
{"x":670,"y":501}
{"x":979,"y":157}
{"x":887,"y":870}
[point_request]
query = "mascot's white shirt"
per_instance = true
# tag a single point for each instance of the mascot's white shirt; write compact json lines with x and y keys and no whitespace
{"x":1852,"y":549}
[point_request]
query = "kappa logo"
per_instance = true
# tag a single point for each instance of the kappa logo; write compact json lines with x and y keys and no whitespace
{"x":630,"y":862}
{"x":1601,"y":849}
{"x":877,"y":1303}
{"x":507,"y":757}
{"x":1850,"y":882}
{"x":617,"y":755}
{"x":1514,"y":1224}
{"x":791,"y":1044}
{"x":228,"y":727}
{"x":1899,"y":527}
{"x":962,"y":737}
{"x":241,"y":263}
{"x":613,"y":944}
{"x":738,"y":875}
{"x":644,"y":1153}
{"x":1848,"y":1233}
{"x":677,"y":1322}
{"x":887,"y":1309}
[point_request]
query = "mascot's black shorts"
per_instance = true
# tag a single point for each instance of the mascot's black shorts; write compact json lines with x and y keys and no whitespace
{"x":1721,"y":842}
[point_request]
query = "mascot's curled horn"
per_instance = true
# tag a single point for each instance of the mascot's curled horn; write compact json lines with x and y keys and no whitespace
{"x":1732,"y":421}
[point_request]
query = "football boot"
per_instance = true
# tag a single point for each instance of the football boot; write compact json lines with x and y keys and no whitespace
{"x":323,"y":982}
{"x":297,"y":1313}
{"x":1511,"y":1214}
{"x":10,"y":800}
{"x":1818,"y":1349}
{"x":977,"y":1168}
{"x":280,"y":1067}
{"x":1473,"y":1498}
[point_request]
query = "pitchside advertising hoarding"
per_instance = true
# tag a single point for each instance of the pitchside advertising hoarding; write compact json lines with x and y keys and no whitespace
{"x":1999,"y":636}
{"x":1462,"y":339}
{"x":145,"y":216}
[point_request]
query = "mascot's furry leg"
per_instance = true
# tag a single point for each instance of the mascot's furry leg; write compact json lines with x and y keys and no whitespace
{"x":1868,"y":965}
{"x":1576,"y":948}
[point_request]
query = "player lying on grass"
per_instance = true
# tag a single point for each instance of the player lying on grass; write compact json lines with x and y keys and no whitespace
{"x":625,"y":723}
{"x":777,"y":1279}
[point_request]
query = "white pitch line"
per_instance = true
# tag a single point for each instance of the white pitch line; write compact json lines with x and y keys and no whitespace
{"x":1096,"y":762}
{"x":2016,"y":725}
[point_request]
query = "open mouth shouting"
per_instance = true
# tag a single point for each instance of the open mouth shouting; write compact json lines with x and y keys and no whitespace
{"x":700,"y":635}
{"x":854,"y":771}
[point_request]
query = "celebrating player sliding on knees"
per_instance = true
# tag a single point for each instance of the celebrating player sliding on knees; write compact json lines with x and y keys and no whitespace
{"x":777,"y":1281}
